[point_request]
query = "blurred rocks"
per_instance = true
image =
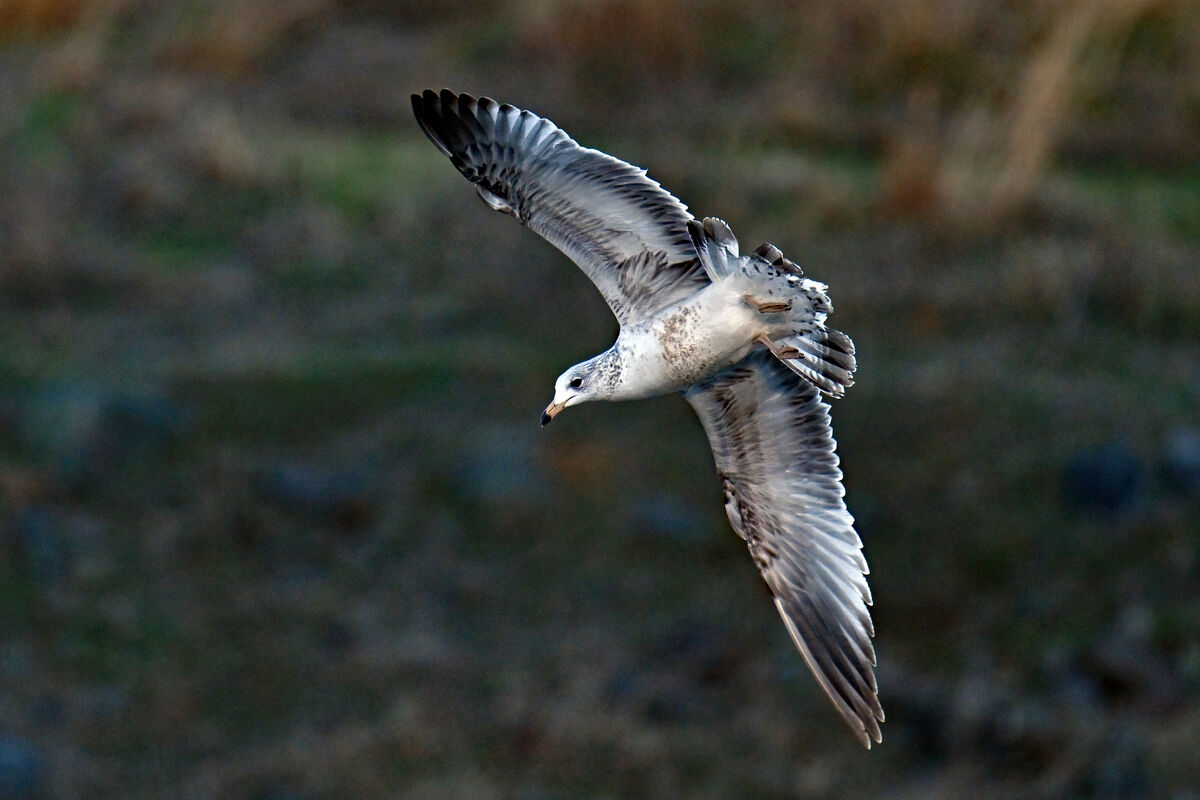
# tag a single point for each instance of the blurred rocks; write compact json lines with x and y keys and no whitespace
{"x":675,"y":675}
{"x":85,"y":433}
{"x":146,"y":182}
{"x":1046,"y":723}
{"x":663,"y":698}
{"x":1116,"y":770}
{"x":502,"y":466}
{"x":1105,"y":480}
{"x":21,"y":769}
{"x":335,"y":637}
{"x":1180,"y":461}
{"x":921,"y":705}
{"x":38,"y":543}
{"x":1128,"y":670}
{"x":293,"y":236}
{"x":279,"y":794}
{"x":666,"y":516}
{"x":55,"y":544}
{"x":981,"y":714}
{"x":707,"y":653}
{"x":343,"y":495}
{"x":363,"y":88}
{"x":1123,"y":668}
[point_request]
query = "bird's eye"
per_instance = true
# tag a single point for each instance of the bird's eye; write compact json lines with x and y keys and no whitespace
{"x":576,"y":383}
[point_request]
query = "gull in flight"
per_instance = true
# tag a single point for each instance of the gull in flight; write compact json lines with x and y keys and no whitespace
{"x":743,"y":338}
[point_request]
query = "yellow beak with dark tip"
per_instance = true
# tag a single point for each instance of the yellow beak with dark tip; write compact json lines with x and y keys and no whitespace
{"x":551,"y":412}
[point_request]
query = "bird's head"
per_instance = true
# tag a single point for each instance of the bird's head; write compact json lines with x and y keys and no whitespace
{"x":572,"y":387}
{"x":595,"y":379}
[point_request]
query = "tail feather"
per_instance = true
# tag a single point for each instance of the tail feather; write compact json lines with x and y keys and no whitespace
{"x":826,"y":362}
{"x":716,"y":246}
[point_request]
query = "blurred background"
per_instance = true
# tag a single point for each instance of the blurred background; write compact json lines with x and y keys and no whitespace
{"x":277,"y":521}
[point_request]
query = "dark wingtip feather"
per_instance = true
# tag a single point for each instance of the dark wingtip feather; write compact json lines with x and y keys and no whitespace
{"x":428,"y":111}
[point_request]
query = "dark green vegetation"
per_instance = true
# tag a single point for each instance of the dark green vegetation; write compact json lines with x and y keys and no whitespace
{"x":276,"y":516}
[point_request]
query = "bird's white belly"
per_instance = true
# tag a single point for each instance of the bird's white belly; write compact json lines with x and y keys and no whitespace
{"x":687,"y":343}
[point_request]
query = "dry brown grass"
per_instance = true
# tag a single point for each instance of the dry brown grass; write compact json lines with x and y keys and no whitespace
{"x":40,"y":15}
{"x":230,"y":36}
{"x":1075,"y":58}
{"x":659,"y":41}
{"x":227,"y":38}
{"x":970,"y":104}
{"x":980,"y":161}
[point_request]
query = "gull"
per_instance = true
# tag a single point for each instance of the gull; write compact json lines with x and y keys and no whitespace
{"x":742,"y":338}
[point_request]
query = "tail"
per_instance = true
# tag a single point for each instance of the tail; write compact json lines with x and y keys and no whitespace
{"x":716,"y":246}
{"x":826,"y":362}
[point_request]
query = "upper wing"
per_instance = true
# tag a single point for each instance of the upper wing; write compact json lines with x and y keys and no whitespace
{"x":774,"y":450}
{"x":624,"y":230}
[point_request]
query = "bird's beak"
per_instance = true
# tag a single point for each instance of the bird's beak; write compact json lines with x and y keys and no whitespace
{"x":551,"y":412}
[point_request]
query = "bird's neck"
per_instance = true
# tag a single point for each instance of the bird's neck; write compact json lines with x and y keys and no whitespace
{"x":633,"y":367}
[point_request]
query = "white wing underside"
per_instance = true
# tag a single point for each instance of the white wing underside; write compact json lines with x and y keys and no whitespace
{"x":774,"y":451}
{"x":627,"y":233}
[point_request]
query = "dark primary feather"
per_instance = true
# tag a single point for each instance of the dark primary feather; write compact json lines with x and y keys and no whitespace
{"x":774,"y":451}
{"x":627,"y":233}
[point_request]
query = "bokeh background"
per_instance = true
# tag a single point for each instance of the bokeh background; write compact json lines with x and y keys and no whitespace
{"x":277,"y":521}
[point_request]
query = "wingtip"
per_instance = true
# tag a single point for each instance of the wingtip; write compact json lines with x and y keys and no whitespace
{"x":867,"y":729}
{"x":428,"y":108}
{"x":419,"y":101}
{"x":866,"y":726}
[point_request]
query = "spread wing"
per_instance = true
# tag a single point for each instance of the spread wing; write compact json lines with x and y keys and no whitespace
{"x":774,"y":450}
{"x":627,"y":233}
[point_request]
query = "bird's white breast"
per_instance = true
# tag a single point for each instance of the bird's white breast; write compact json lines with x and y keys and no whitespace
{"x":686,"y":343}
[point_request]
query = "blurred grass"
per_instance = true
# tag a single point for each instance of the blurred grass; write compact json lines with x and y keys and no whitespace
{"x":300,"y":534}
{"x":39,"y":137}
{"x":358,"y":173}
{"x":1148,"y":200}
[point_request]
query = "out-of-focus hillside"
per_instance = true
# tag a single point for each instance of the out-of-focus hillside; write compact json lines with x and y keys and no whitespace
{"x":276,"y":516}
